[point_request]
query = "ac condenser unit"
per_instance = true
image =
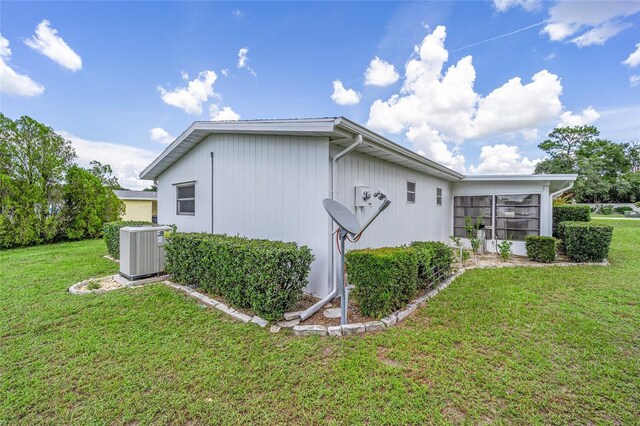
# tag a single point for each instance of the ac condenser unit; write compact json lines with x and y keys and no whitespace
{"x":142,"y":251}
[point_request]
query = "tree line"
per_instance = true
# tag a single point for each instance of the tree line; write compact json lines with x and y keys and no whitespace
{"x":44,"y":196}
{"x":607,"y":171}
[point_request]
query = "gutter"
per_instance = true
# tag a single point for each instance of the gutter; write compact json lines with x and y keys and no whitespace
{"x":561,"y":190}
{"x":334,"y":192}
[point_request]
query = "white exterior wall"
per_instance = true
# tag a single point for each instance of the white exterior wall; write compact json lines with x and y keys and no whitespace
{"x":508,"y":188}
{"x":400,"y":223}
{"x":268,"y":187}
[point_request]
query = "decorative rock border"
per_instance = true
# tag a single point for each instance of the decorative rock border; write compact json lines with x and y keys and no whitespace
{"x":400,"y":315}
{"x":213,"y":303}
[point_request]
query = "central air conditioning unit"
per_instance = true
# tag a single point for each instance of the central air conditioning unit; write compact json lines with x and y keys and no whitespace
{"x":142,"y":251}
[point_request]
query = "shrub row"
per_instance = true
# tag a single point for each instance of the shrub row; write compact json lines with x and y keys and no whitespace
{"x":569,"y":212}
{"x":111,"y":234}
{"x":386,"y":279}
{"x":586,"y":242}
{"x":264,"y":276}
{"x":540,"y":248}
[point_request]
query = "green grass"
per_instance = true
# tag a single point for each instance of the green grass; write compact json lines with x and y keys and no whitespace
{"x":544,"y":345}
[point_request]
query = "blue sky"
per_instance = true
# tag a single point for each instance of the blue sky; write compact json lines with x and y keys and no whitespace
{"x":105,"y":74}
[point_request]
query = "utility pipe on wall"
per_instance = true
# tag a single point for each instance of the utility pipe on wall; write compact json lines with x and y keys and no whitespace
{"x":334,"y":192}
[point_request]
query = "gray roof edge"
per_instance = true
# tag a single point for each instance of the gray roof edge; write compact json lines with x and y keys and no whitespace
{"x":570,"y":177}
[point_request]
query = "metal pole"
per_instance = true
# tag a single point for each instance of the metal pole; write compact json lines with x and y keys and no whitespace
{"x":341,"y":283}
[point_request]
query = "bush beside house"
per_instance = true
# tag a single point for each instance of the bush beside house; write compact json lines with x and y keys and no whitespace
{"x":264,"y":276}
{"x":569,"y":212}
{"x":386,"y":279}
{"x":586,"y":242}
{"x":540,"y":248}
{"x":111,"y":235}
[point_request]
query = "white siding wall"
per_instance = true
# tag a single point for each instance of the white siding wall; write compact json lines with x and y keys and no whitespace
{"x":264,"y":187}
{"x":508,"y":188}
{"x":400,"y":223}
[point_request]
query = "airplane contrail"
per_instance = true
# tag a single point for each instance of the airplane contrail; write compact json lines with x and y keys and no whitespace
{"x":497,"y":37}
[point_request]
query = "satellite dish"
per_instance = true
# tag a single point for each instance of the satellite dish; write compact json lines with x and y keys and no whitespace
{"x":341,"y":216}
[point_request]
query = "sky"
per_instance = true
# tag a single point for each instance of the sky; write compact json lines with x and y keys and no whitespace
{"x":473,"y":85}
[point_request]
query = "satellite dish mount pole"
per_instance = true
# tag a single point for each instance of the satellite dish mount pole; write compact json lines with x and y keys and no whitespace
{"x":344,"y":292}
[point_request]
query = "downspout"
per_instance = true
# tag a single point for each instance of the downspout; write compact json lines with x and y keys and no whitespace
{"x":334,"y":192}
{"x":552,"y":196}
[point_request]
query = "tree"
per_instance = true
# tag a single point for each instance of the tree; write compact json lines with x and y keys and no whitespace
{"x":602,"y":165}
{"x":33,"y":162}
{"x":152,"y":188}
{"x":633,"y":153}
{"x":88,"y":204}
{"x":105,"y":174}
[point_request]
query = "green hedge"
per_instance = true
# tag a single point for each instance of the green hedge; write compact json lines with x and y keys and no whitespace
{"x":569,"y":213}
{"x":264,"y":276}
{"x":434,"y":261}
{"x":540,"y":249}
{"x":586,"y":242}
{"x":111,"y":234}
{"x":385,"y":279}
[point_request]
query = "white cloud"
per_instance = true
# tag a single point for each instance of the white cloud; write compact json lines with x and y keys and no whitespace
{"x":184,"y":75}
{"x":237,"y":13}
{"x":380,"y":73}
{"x":224,"y":114}
{"x":11,"y":82}
{"x":428,"y":143}
{"x":47,"y":41}
{"x":191,"y":98}
{"x":550,"y":56}
{"x":597,"y":20}
{"x":503,"y":159}
{"x":588,"y":116}
{"x":158,"y":134}
{"x":601,"y":34}
{"x":243,"y":60}
{"x":438,"y":109}
{"x":225,"y":72}
{"x":514,"y":107}
{"x":343,"y":96}
{"x":504,"y":5}
{"x":444,"y":101}
{"x":634,"y":58}
{"x":634,"y":80}
{"x":126,"y":161}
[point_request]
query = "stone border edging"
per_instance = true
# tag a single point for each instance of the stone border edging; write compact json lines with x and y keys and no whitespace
{"x":244,"y":318}
{"x":398,"y":316}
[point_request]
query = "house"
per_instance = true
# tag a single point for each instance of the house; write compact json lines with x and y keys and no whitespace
{"x":267,"y":179}
{"x":139,"y":205}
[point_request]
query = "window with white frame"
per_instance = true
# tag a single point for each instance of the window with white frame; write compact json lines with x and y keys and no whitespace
{"x":517,"y":216}
{"x":439,"y":196}
{"x":186,"y":199}
{"x":411,"y":192}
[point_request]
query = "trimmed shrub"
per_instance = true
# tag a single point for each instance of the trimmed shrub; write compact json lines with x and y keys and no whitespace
{"x":586,"y":242}
{"x":111,"y":234}
{"x":540,"y":249}
{"x":434,"y":262}
{"x":569,"y":212}
{"x":606,"y":210}
{"x":622,"y":209}
{"x":385,"y":279}
{"x":264,"y":276}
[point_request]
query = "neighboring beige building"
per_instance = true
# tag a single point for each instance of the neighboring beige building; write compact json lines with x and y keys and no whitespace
{"x":139,"y":205}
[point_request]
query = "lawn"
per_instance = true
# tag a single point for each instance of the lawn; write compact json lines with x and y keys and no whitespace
{"x":543,"y":345}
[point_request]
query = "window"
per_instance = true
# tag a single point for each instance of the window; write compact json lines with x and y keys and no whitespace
{"x":186,"y":199}
{"x":517,"y":216}
{"x":479,"y":208}
{"x":411,"y":192}
{"x":439,"y":196}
